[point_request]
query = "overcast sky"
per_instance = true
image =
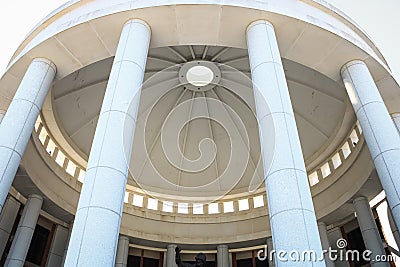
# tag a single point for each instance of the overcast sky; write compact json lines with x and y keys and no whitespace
{"x":379,"y":18}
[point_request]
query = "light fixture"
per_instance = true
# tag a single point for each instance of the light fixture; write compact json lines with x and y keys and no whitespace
{"x":199,"y":75}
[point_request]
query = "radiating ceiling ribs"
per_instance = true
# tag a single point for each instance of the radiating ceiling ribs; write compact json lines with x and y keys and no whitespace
{"x":144,"y":110}
{"x":234,"y":60}
{"x":155,"y":71}
{"x":192,"y":52}
{"x":212,"y":137}
{"x":177,"y":53}
{"x":234,"y":95}
{"x":220,"y":53}
{"x":84,"y":87}
{"x":157,"y":137}
{"x":158,"y":84}
{"x":242,"y":138}
{"x":81,"y":126}
{"x":316,"y":89}
{"x":185,"y":139}
{"x":205,"y":52}
{"x":164,"y":60}
{"x":236,"y":71}
{"x":311,"y":123}
{"x":228,"y":83}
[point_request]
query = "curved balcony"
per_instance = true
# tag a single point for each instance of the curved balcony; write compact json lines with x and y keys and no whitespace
{"x":233,"y":204}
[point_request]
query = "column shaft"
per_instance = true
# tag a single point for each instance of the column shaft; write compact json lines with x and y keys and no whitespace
{"x":393,"y":227}
{"x":291,"y":211}
{"x":7,"y":219}
{"x":396,"y":120}
{"x":334,"y":235}
{"x":165,"y":260}
{"x":270,"y":247}
{"x":57,"y":247}
{"x":369,"y":230}
{"x":2,"y":113}
{"x":67,"y":243}
{"x":170,"y":259}
{"x":222,"y":256}
{"x":122,"y":252}
{"x":323,"y":234}
{"x":17,"y":125}
{"x":23,"y":236}
{"x":99,"y":211}
{"x":380,"y":133}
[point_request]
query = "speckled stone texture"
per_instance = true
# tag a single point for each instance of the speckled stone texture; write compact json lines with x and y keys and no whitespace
{"x":380,"y":133}
{"x":95,"y":232}
{"x":291,"y":211}
{"x":17,"y":125}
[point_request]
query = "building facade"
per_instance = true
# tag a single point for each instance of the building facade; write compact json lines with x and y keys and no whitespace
{"x":227,"y":127}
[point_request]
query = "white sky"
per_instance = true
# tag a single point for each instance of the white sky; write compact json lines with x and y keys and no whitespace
{"x":379,"y":18}
{"x":17,"y":18}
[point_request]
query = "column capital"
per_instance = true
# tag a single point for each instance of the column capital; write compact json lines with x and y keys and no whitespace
{"x":35,"y":196}
{"x":123,"y":237}
{"x":46,"y":61}
{"x":395,"y":114}
{"x":360,"y":198}
{"x":139,"y":21}
{"x":351,"y":63}
{"x":222,"y":247}
{"x":257,"y":22}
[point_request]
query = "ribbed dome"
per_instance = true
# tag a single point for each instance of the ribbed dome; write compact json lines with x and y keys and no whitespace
{"x":205,"y":142}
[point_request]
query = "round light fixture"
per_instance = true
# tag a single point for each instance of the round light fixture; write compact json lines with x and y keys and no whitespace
{"x":199,"y":75}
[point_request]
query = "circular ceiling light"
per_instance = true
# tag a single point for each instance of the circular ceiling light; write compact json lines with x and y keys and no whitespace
{"x":199,"y":75}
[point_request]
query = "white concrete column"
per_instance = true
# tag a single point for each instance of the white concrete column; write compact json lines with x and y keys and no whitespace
{"x":291,"y":211}
{"x":222,"y":256}
{"x":369,"y":230}
{"x":270,"y":247}
{"x":323,"y":234}
{"x":17,"y":125}
{"x":23,"y":236}
{"x":7,"y":219}
{"x":380,"y":133}
{"x":393,"y":227}
{"x":122,"y":251}
{"x":396,"y":120}
{"x":170,"y":257}
{"x":2,"y":114}
{"x":67,"y":243}
{"x":57,"y":247}
{"x":230,"y":260}
{"x":99,"y":211}
{"x":335,"y":235}
{"x":165,"y":260}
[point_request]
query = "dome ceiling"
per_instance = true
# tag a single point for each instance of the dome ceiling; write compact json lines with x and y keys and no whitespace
{"x":205,"y":142}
